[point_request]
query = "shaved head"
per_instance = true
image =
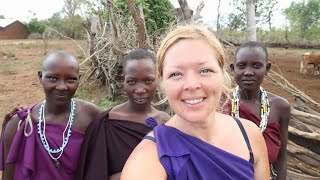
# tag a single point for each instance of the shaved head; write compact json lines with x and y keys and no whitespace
{"x":59,"y":57}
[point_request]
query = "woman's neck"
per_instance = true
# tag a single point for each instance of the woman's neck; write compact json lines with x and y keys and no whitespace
{"x":57,"y":109}
{"x":203,"y":130}
{"x":250,"y":95}
{"x":145,"y":108}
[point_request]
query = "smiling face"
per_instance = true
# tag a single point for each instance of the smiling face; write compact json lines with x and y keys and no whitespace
{"x":192,"y":79}
{"x":59,"y":78}
{"x":140,"y":81}
{"x":250,"y":67}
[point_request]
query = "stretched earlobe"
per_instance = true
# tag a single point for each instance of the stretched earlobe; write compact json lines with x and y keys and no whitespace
{"x":231,"y":67}
{"x":39,"y":75}
{"x":268,"y":67}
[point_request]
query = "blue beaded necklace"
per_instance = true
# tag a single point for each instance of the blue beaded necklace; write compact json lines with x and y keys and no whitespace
{"x":42,"y":133}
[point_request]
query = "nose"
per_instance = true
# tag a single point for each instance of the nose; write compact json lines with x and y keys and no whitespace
{"x":61,"y":85}
{"x":192,"y":82}
{"x":248,"y":72}
{"x":140,"y":89}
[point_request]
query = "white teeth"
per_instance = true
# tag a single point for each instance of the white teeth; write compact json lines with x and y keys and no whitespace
{"x":193,"y":101}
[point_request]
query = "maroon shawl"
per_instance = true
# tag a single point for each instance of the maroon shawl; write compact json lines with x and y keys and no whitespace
{"x":271,"y":133}
{"x":107,"y":145}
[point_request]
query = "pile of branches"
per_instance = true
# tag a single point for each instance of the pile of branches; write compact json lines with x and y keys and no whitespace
{"x":304,"y":132}
{"x":109,"y":45}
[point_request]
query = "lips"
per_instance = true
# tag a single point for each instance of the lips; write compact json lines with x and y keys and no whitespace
{"x":141,"y":100}
{"x":193,"y":101}
{"x":248,"y":81}
{"x":61,"y":95}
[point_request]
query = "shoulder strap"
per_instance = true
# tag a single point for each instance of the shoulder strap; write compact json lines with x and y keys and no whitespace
{"x":245,"y":136}
{"x":150,"y":138}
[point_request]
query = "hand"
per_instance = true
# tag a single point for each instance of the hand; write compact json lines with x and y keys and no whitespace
{"x":9,"y":115}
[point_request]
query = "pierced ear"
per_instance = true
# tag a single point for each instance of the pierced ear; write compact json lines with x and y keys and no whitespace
{"x":231,"y":67}
{"x":268,"y":67}
{"x":39,"y":75}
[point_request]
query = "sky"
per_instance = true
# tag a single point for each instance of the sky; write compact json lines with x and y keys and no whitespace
{"x":20,"y":9}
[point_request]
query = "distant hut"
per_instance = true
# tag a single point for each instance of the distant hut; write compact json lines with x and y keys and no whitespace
{"x":12,"y":29}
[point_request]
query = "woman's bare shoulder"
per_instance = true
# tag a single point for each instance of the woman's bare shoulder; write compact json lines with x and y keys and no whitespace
{"x":88,"y":107}
{"x":144,"y":163}
{"x":278,"y":101}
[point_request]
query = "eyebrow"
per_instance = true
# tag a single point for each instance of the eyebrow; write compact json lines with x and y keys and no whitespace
{"x":198,"y":64}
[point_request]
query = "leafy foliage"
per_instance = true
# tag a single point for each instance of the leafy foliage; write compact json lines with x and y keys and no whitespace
{"x":159,"y":15}
{"x":304,"y":16}
{"x":264,"y":10}
{"x":35,"y":26}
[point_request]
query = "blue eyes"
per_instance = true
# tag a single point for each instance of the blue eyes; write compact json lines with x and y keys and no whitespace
{"x":206,"y":71}
{"x":203,"y":71}
{"x":175,"y":74}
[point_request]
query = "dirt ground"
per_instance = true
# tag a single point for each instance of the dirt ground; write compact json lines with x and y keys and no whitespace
{"x":288,"y":62}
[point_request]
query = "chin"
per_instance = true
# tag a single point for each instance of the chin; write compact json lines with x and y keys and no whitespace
{"x":193,"y":117}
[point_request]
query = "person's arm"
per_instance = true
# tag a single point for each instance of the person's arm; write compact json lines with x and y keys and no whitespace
{"x":10,"y":114}
{"x":144,"y":164}
{"x":281,"y":164}
{"x":261,"y":164}
{"x":259,"y":149}
{"x":9,"y":133}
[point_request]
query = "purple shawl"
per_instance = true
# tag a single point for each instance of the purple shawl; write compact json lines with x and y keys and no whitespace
{"x":186,"y":157}
{"x":30,"y":158}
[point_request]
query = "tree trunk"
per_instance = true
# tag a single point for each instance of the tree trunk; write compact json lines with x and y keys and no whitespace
{"x":186,"y":11}
{"x":251,"y":20}
{"x":218,"y":16}
{"x":142,"y":32}
{"x":142,"y":17}
{"x":112,"y":22}
{"x":197,"y":15}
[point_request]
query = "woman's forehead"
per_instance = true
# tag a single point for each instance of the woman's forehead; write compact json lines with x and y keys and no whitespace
{"x":251,"y":52}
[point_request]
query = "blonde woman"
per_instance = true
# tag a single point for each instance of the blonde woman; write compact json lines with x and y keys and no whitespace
{"x":198,"y":142}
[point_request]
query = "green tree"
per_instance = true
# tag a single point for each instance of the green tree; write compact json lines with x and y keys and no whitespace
{"x":56,"y":21}
{"x":35,"y":26}
{"x":73,"y":23}
{"x":1,"y":17}
{"x":74,"y":26}
{"x":159,"y":14}
{"x":264,"y":11}
{"x":303,"y":15}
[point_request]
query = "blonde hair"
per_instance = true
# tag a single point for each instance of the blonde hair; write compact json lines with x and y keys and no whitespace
{"x":195,"y":33}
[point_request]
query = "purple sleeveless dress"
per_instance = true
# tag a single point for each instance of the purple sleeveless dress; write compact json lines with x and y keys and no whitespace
{"x":185,"y":157}
{"x":30,"y":158}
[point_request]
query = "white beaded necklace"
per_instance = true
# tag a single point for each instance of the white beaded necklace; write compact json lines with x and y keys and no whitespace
{"x":65,"y":140}
{"x":265,"y":107}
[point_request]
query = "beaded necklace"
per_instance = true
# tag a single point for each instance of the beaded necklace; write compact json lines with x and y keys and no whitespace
{"x":65,"y":139}
{"x":265,"y":107}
